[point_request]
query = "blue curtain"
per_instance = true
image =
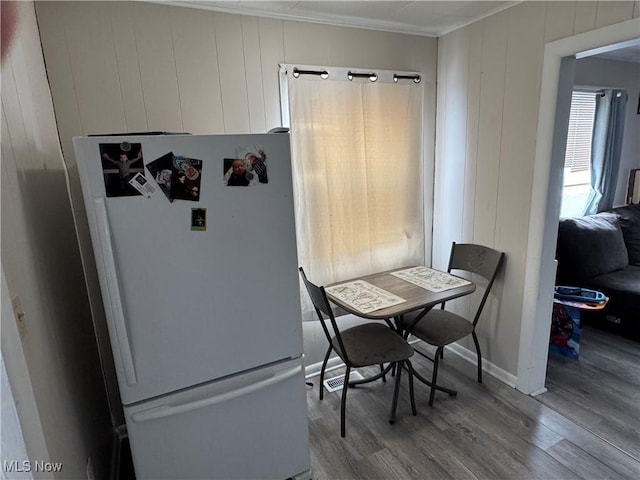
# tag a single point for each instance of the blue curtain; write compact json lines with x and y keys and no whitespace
{"x":606,"y":146}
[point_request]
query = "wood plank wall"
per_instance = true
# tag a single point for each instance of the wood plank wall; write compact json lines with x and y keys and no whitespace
{"x":42,"y":264}
{"x":136,"y":66}
{"x":489,"y":78}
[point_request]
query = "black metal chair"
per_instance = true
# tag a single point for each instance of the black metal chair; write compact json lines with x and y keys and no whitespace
{"x":361,"y":346}
{"x":440,"y":327}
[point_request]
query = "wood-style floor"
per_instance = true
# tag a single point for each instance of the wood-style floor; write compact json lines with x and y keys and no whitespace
{"x":600,"y":391}
{"x":489,"y":431}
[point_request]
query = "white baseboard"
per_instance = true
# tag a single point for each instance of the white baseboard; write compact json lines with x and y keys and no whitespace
{"x":488,"y":367}
{"x":538,"y":392}
{"x":313,"y":370}
{"x":468,"y":355}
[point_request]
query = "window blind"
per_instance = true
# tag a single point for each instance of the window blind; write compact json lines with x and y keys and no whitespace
{"x":578,"y":153}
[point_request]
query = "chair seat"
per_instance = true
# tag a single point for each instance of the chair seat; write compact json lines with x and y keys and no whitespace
{"x":440,"y":327}
{"x":372,"y":344}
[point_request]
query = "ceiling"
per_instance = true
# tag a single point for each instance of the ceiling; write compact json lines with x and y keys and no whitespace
{"x":427,"y":18}
{"x":628,"y":54}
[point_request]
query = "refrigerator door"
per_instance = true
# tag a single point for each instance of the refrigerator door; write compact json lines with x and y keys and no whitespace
{"x":246,"y":427}
{"x":185,"y":307}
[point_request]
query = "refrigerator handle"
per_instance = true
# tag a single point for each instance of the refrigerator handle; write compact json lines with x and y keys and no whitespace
{"x":117,"y":314}
{"x":169,"y":410}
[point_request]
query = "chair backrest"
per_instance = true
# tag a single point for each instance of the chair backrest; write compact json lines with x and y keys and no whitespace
{"x":478,"y":259}
{"x":322,"y":306}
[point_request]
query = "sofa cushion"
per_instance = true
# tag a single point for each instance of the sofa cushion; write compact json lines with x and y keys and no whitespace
{"x":622,"y":287}
{"x":630,"y":224}
{"x":590,"y":246}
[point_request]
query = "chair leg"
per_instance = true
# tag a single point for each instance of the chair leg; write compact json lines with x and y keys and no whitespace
{"x":384,"y":377}
{"x":324,"y":365}
{"x":434,"y":377}
{"x":396,"y":393}
{"x":412,"y":397}
{"x":442,"y":353}
{"x":475,"y":340}
{"x":343,"y":403}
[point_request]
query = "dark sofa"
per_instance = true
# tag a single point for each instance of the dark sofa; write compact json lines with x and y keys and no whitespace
{"x":602,"y":252}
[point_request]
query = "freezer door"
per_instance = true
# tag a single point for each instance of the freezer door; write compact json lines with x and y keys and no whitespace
{"x":251,"y":426}
{"x":187,"y":306}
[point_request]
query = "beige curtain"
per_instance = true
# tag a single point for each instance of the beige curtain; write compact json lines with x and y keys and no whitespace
{"x":357,"y":170}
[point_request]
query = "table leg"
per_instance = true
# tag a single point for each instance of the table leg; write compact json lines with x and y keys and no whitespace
{"x":451,"y":393}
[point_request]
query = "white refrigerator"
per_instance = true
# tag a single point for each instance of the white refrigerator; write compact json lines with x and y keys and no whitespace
{"x":195,"y":247}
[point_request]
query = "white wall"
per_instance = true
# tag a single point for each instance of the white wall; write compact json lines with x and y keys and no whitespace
{"x":599,"y":72}
{"x":133,"y":66}
{"x":21,"y":427}
{"x":489,"y":80}
{"x":41,"y":261}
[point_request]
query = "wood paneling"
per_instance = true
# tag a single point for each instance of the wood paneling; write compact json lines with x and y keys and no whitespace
{"x":452,"y":98}
{"x":307,"y":43}
{"x":155,"y":47}
{"x":559,"y":20}
{"x":197,"y":71}
{"x":42,"y":266}
{"x":253,"y":69}
{"x":585,"y":17}
{"x":162,"y":67}
{"x":613,"y":12}
{"x":125,"y":66}
{"x":54,"y":47}
{"x":235,"y":103}
{"x":521,"y":100}
{"x":493,"y":110}
{"x":494,"y":47}
{"x":271,"y":55}
{"x":135,"y":66}
{"x":473,"y":127}
{"x":94,"y":68}
{"x":450,"y":213}
{"x":123,"y":26}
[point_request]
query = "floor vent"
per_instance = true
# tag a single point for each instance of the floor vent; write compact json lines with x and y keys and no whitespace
{"x":335,"y":383}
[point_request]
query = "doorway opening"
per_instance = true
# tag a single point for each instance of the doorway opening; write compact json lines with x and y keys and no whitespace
{"x":590,"y":373}
{"x":557,"y":84}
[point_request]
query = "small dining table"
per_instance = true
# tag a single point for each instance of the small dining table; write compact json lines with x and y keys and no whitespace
{"x":416,"y":298}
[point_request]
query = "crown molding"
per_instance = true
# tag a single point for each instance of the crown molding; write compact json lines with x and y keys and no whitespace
{"x":334,"y":20}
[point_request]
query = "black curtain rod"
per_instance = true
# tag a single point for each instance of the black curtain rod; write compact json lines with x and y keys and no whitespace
{"x":351,"y":75}
{"x":415,"y":78}
{"x":322,"y":73}
{"x":373,"y":76}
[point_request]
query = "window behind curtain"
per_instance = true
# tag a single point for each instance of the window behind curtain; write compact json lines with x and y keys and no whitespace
{"x":357,"y":170}
{"x":577,"y":161}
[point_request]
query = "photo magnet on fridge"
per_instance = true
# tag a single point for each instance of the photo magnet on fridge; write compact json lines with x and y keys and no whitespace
{"x":140,"y":183}
{"x":199,"y":219}
{"x":187,"y":174}
{"x":178,"y":177}
{"x":120,"y":163}
{"x":236,"y":173}
{"x":249,"y":168}
{"x":162,"y":171}
{"x":256,"y":161}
